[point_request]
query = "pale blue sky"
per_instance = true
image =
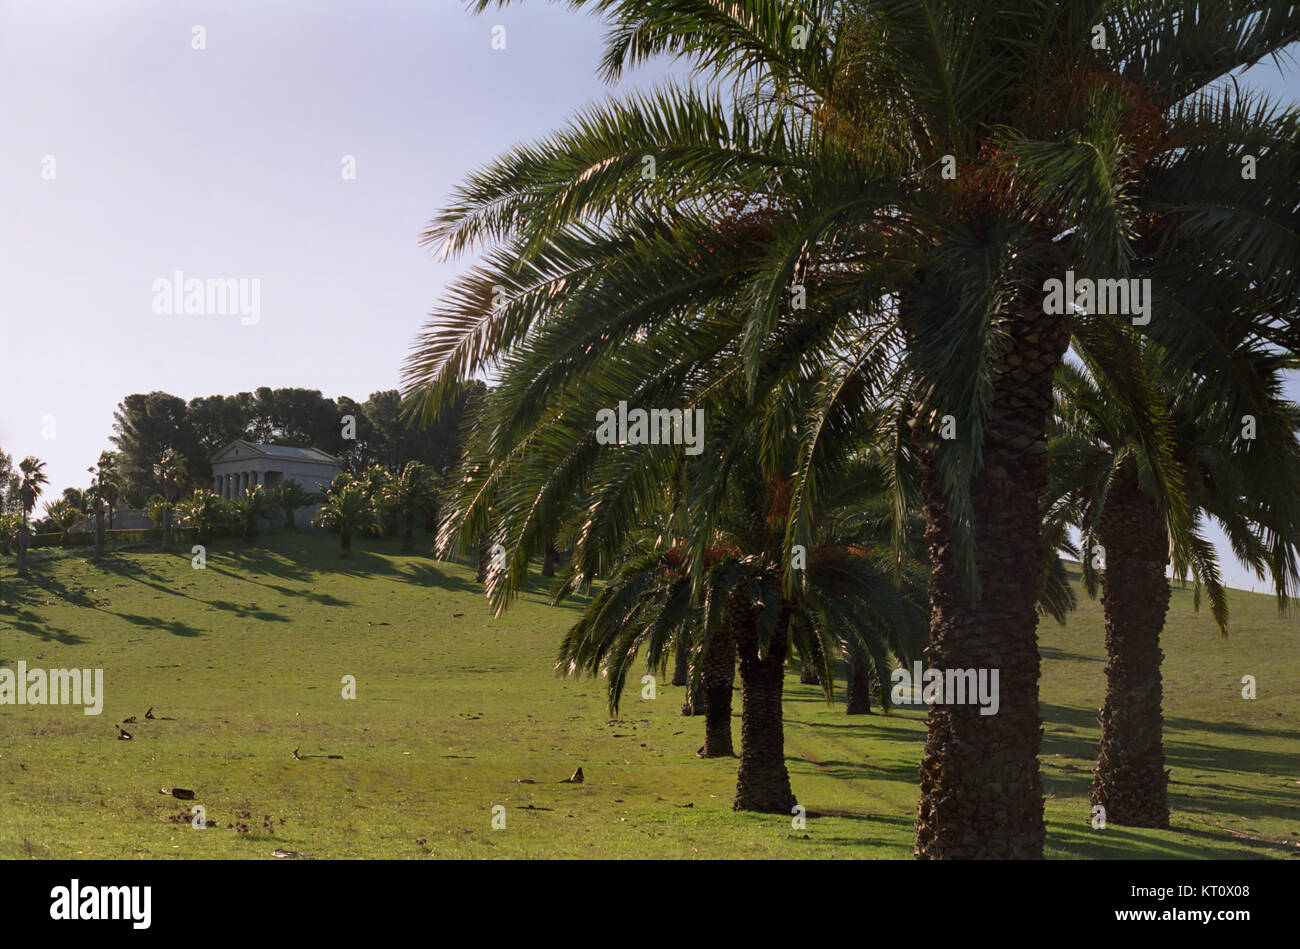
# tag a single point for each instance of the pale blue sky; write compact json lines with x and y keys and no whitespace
{"x":225,"y":162}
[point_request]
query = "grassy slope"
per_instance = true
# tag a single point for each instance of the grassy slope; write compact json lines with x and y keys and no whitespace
{"x":454,"y":712}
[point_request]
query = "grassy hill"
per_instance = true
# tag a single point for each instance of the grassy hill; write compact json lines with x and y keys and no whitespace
{"x":456,"y":712}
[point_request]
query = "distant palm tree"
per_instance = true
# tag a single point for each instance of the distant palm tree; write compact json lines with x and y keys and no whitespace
{"x":32,"y":481}
{"x":252,"y":506}
{"x":204,"y":510}
{"x":349,"y":509}
{"x":11,"y":526}
{"x":290,"y":496}
{"x":406,"y":494}
{"x":171,"y":474}
{"x":105,"y":488}
{"x":64,"y":515}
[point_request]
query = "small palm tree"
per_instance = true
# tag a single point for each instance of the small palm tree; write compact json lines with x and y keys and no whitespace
{"x":32,"y":481}
{"x":252,"y":506}
{"x":203,"y":511}
{"x":171,"y":474}
{"x":153,"y":509}
{"x":290,"y":496}
{"x":349,"y":509}
{"x":64,"y":515}
{"x":406,"y":494}
{"x":105,"y":487}
{"x":11,"y":526}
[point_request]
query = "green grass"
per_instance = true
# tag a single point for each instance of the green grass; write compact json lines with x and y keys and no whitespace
{"x":457,"y":713}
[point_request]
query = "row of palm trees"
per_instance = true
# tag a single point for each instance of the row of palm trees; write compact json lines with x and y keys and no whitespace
{"x":351,"y":504}
{"x":841,"y":255}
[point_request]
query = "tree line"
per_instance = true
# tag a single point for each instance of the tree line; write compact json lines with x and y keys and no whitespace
{"x":379,"y":432}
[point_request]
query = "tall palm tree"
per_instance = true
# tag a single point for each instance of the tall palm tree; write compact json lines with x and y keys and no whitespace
{"x":105,"y":488}
{"x":31,"y":483}
{"x":408,"y":492}
{"x":1113,"y":466}
{"x":349,"y":509}
{"x":171,"y":474}
{"x":919,"y":171}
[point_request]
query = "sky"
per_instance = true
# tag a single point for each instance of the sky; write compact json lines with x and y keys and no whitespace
{"x":129,"y":155}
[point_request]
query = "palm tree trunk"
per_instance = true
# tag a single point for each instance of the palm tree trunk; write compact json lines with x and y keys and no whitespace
{"x":345,"y":543}
{"x":167,"y":529}
{"x":24,"y":537}
{"x":550,"y":557}
{"x":717,"y":681}
{"x":762,"y":782}
{"x":1130,"y":780}
{"x":99,"y":532}
{"x":696,"y":699}
{"x":981,"y":790}
{"x":408,"y":530}
{"x":682,"y":665}
{"x":808,"y":666}
{"x":858,"y":694}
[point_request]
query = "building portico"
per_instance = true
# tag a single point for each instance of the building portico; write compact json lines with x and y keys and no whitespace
{"x":242,"y":466}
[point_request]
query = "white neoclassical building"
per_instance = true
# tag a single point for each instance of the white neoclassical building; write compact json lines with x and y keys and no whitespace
{"x":242,"y":465}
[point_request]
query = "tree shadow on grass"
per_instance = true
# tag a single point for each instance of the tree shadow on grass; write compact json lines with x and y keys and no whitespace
{"x":33,"y":624}
{"x":1195,"y":756}
{"x":148,"y":578}
{"x":1051,"y":652}
{"x":430,"y":574}
{"x":270,"y":562}
{"x":175,"y":627}
{"x":882,"y":822}
{"x":247,"y":611}
{"x":1119,"y":843}
{"x":861,"y":770}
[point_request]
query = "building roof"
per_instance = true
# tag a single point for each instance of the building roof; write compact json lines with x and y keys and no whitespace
{"x":286,"y":452}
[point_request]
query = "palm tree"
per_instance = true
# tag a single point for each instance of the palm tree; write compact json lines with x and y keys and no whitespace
{"x":252,"y":506}
{"x":290,"y":496}
{"x":375,"y":478}
{"x":349,"y":509}
{"x":407,"y":493}
{"x":845,"y":591}
{"x":857,"y":699}
{"x":919,"y":171}
{"x":64,"y":515}
{"x":171,"y":474}
{"x":105,"y":487}
{"x":1141,"y":474}
{"x":32,"y":481}
{"x":11,"y":526}
{"x":203,"y":510}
